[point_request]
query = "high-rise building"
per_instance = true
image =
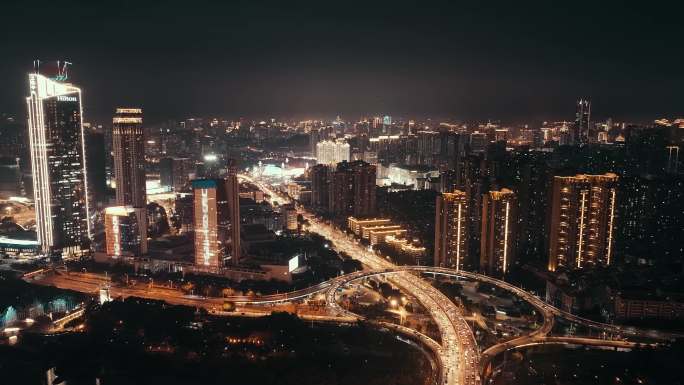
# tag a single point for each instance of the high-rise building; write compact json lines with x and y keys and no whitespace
{"x":174,"y":172}
{"x":582,"y":121}
{"x":499,"y":221}
{"x":129,"y":157}
{"x":96,"y":158}
{"x":332,"y":152}
{"x":672,"y":159}
{"x":320,"y":186}
{"x":451,"y":229}
{"x":352,"y":189}
{"x":58,"y":164}
{"x":475,"y":183}
{"x":651,"y":225}
{"x":478,"y":141}
{"x":233,"y":198}
{"x":125,"y":231}
{"x":217,"y":232}
{"x":531,"y":184}
{"x":184,"y":211}
{"x":583,"y":209}
{"x":12,"y":140}
{"x":314,"y":138}
{"x":428,"y":147}
{"x":10,"y":178}
{"x":290,"y":213}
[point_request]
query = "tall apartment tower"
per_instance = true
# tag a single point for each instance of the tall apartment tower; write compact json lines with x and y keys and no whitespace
{"x":582,"y":121}
{"x":332,"y":152}
{"x":497,"y":239}
{"x":58,"y":164}
{"x":582,"y":221}
{"x":672,"y":166}
{"x":320,"y":186}
{"x":129,"y":157}
{"x":352,"y":189}
{"x":451,"y":229}
{"x":216,"y":222}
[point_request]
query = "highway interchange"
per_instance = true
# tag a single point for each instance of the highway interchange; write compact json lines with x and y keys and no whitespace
{"x":458,"y":354}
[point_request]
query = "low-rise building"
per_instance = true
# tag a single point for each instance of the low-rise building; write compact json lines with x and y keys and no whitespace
{"x":645,"y":304}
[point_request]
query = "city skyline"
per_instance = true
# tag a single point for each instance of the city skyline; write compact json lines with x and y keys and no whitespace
{"x":318,"y":193}
{"x":447,"y":61}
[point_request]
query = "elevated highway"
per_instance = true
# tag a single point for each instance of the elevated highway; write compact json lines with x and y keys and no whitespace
{"x":459,"y":356}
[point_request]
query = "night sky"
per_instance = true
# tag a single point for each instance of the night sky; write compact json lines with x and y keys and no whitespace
{"x":459,"y":60}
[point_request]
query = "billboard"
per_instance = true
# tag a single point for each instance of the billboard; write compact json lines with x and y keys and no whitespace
{"x":293,"y":264}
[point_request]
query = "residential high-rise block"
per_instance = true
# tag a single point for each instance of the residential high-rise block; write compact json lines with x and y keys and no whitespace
{"x":129,"y":157}
{"x":531,"y":183}
{"x":582,"y":225}
{"x":451,"y":229}
{"x":352,"y":189}
{"x":332,"y":152}
{"x":497,"y":239}
{"x":651,"y":225}
{"x":125,"y":231}
{"x":58,"y":164}
{"x":320,"y":186}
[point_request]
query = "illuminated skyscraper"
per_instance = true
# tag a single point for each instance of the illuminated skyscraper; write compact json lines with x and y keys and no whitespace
{"x":497,"y":241}
{"x":58,"y":164}
{"x":451,"y":229}
{"x":217,"y":222}
{"x":582,"y":121}
{"x":582,"y":221}
{"x":125,"y":231}
{"x":129,"y":157}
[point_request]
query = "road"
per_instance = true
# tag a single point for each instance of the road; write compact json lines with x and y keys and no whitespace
{"x":459,"y":354}
{"x":407,"y":281}
{"x":91,"y":283}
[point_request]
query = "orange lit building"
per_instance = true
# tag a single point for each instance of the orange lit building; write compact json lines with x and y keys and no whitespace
{"x":451,"y":229}
{"x":128,"y":143}
{"x":356,"y":225}
{"x":582,"y":221}
{"x":125,"y":231}
{"x":216,"y":222}
{"x":497,"y":241}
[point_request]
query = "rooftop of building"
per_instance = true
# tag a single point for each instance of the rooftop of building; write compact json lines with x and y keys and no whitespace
{"x":414,"y":167}
{"x":356,"y":164}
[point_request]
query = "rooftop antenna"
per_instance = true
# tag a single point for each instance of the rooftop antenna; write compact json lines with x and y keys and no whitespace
{"x":62,"y":70}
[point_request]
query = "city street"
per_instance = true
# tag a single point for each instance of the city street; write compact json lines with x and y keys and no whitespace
{"x":460,"y":357}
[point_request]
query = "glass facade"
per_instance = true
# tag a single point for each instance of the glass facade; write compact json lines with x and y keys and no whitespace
{"x":58,"y":165}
